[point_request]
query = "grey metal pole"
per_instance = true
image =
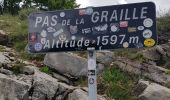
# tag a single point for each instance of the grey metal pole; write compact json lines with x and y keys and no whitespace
{"x":92,"y":83}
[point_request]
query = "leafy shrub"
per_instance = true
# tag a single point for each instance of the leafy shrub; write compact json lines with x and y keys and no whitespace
{"x":163,"y":23}
{"x":24,"y":13}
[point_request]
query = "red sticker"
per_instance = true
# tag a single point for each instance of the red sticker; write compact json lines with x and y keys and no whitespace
{"x":82,"y":12}
{"x":33,"y":37}
{"x":124,"y":24}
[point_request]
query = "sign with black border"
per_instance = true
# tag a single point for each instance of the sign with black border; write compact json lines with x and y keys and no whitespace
{"x":107,"y":27}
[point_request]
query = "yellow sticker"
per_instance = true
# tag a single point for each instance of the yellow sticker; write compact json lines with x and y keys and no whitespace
{"x":149,"y":42}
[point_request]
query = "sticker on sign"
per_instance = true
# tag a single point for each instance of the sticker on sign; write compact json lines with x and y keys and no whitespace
{"x":107,"y":27}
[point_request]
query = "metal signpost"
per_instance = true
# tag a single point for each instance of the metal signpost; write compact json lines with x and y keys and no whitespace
{"x":93,"y":28}
{"x":92,"y":83}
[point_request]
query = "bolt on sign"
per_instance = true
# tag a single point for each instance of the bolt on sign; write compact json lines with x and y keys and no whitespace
{"x":107,"y":27}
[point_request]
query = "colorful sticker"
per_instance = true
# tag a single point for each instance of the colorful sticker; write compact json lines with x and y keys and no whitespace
{"x":86,"y":30}
{"x":58,"y":32}
{"x":114,"y":27}
{"x":140,"y":28}
{"x":148,"y":22}
{"x":43,"y":33}
{"x":33,"y":37}
{"x":131,"y":29}
{"x":125,"y":44}
{"x":43,"y":40}
{"x":147,"y":33}
{"x":82,"y":12}
{"x":62,"y":14}
{"x":149,"y":42}
{"x":124,"y":24}
{"x":73,"y":29}
{"x":89,"y":11}
{"x":38,"y":47}
{"x":62,"y":37}
{"x":101,"y":28}
{"x":30,"y":47}
{"x":73,"y":37}
{"x":50,"y":29}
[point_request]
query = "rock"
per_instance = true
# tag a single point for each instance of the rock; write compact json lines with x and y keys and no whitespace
{"x":28,"y":70}
{"x":1,"y":65}
{"x":68,"y":64}
{"x":3,"y":38}
{"x":100,"y":68}
{"x":4,"y":59}
{"x":154,"y":91}
{"x":140,"y":87}
{"x":79,"y":94}
{"x":7,"y":66}
{"x":11,"y":89}
{"x":155,"y":73}
{"x":166,"y":48}
{"x":160,"y":50}
{"x":163,"y":38}
{"x":60,"y":78}
{"x":5,"y":71}
{"x":128,"y":65}
{"x":105,"y":57}
{"x":25,"y":78}
{"x":151,"y":54}
{"x":47,"y":88}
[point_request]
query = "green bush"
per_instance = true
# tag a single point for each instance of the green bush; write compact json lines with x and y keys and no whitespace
{"x":163,"y":23}
{"x":24,"y":13}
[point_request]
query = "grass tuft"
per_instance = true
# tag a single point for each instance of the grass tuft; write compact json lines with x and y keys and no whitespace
{"x":45,"y":69}
{"x":117,"y":84}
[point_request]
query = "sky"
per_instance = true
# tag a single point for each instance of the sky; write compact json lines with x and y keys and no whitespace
{"x":161,"y":5}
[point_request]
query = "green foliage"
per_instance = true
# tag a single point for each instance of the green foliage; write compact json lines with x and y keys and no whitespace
{"x":24,"y":13}
{"x":20,"y":33}
{"x":45,"y":69}
{"x":167,"y":72}
{"x":61,"y":4}
{"x":116,"y":84}
{"x":20,"y":46}
{"x":11,"y":6}
{"x":29,"y":56}
{"x":167,"y":85}
{"x":82,"y":82}
{"x":163,"y":24}
{"x":1,"y":48}
{"x":167,"y":63}
{"x":17,"y":68}
{"x":9,"y":24}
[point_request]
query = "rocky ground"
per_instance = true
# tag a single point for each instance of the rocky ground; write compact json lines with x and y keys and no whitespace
{"x":22,"y":80}
{"x":31,"y":84}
